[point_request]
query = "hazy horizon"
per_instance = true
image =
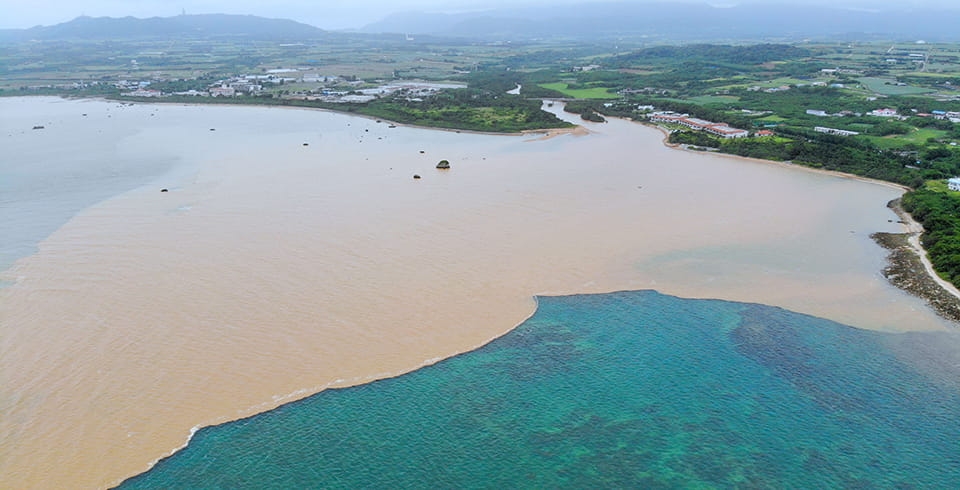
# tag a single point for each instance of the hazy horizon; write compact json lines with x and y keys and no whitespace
{"x":344,"y":14}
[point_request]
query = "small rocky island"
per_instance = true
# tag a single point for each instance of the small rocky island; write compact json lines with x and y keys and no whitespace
{"x":443,"y":165}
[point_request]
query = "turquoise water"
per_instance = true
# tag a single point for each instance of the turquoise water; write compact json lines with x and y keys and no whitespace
{"x":630,"y":389}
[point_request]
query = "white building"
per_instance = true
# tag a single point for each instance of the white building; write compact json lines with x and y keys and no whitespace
{"x":144,"y":93}
{"x":954,"y":184}
{"x":883,"y":113}
{"x":836,"y":132}
{"x":245,"y":87}
{"x":223,"y":92}
{"x":356,"y":98}
{"x":727,"y":132}
{"x":667,"y":117}
{"x":696,"y":124}
{"x":318,"y":78}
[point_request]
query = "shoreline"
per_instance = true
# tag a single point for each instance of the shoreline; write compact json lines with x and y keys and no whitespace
{"x":835,"y":173}
{"x":524,"y":132}
{"x":909,"y":268}
{"x":546,"y":133}
{"x":907,"y":272}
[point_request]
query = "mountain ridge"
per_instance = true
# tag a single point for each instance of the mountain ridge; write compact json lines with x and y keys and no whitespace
{"x":677,"y":21}
{"x":194,"y":26}
{"x":657,"y":22}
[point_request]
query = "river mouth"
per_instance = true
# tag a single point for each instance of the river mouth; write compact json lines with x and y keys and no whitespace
{"x":272,"y":270}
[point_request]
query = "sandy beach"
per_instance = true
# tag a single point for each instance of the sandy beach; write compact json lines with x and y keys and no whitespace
{"x":273,"y":270}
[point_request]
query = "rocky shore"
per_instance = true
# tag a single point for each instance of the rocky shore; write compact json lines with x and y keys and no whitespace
{"x":906,"y":269}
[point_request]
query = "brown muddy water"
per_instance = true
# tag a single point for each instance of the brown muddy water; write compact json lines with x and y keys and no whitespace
{"x":272,"y":270}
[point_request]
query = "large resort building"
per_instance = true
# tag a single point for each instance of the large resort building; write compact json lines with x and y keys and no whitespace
{"x":718,"y":129}
{"x":724,"y":131}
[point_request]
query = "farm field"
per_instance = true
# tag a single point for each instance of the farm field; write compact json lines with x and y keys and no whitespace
{"x":917,"y":137}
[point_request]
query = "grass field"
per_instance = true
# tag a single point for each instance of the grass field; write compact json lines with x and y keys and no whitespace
{"x":777,"y":82}
{"x":952,"y":74}
{"x":713,"y":99}
{"x":880,"y":86}
{"x":918,"y":137}
{"x":936,"y":186}
{"x":588,"y":93}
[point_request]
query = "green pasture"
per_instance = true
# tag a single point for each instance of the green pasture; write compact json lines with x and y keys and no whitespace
{"x":587,"y":93}
{"x":917,"y":137}
{"x":936,"y":186}
{"x":713,"y":99}
{"x":888,"y":86}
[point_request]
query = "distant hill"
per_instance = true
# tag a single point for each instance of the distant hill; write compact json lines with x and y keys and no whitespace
{"x":193,"y":26}
{"x":680,"y":21}
{"x":752,"y":54}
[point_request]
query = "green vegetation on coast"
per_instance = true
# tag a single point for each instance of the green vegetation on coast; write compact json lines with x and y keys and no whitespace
{"x":448,"y":110}
{"x":938,"y":210}
{"x":813,"y":150}
{"x":467,"y":109}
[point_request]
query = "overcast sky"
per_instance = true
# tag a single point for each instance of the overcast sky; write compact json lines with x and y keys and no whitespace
{"x":327,"y":14}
